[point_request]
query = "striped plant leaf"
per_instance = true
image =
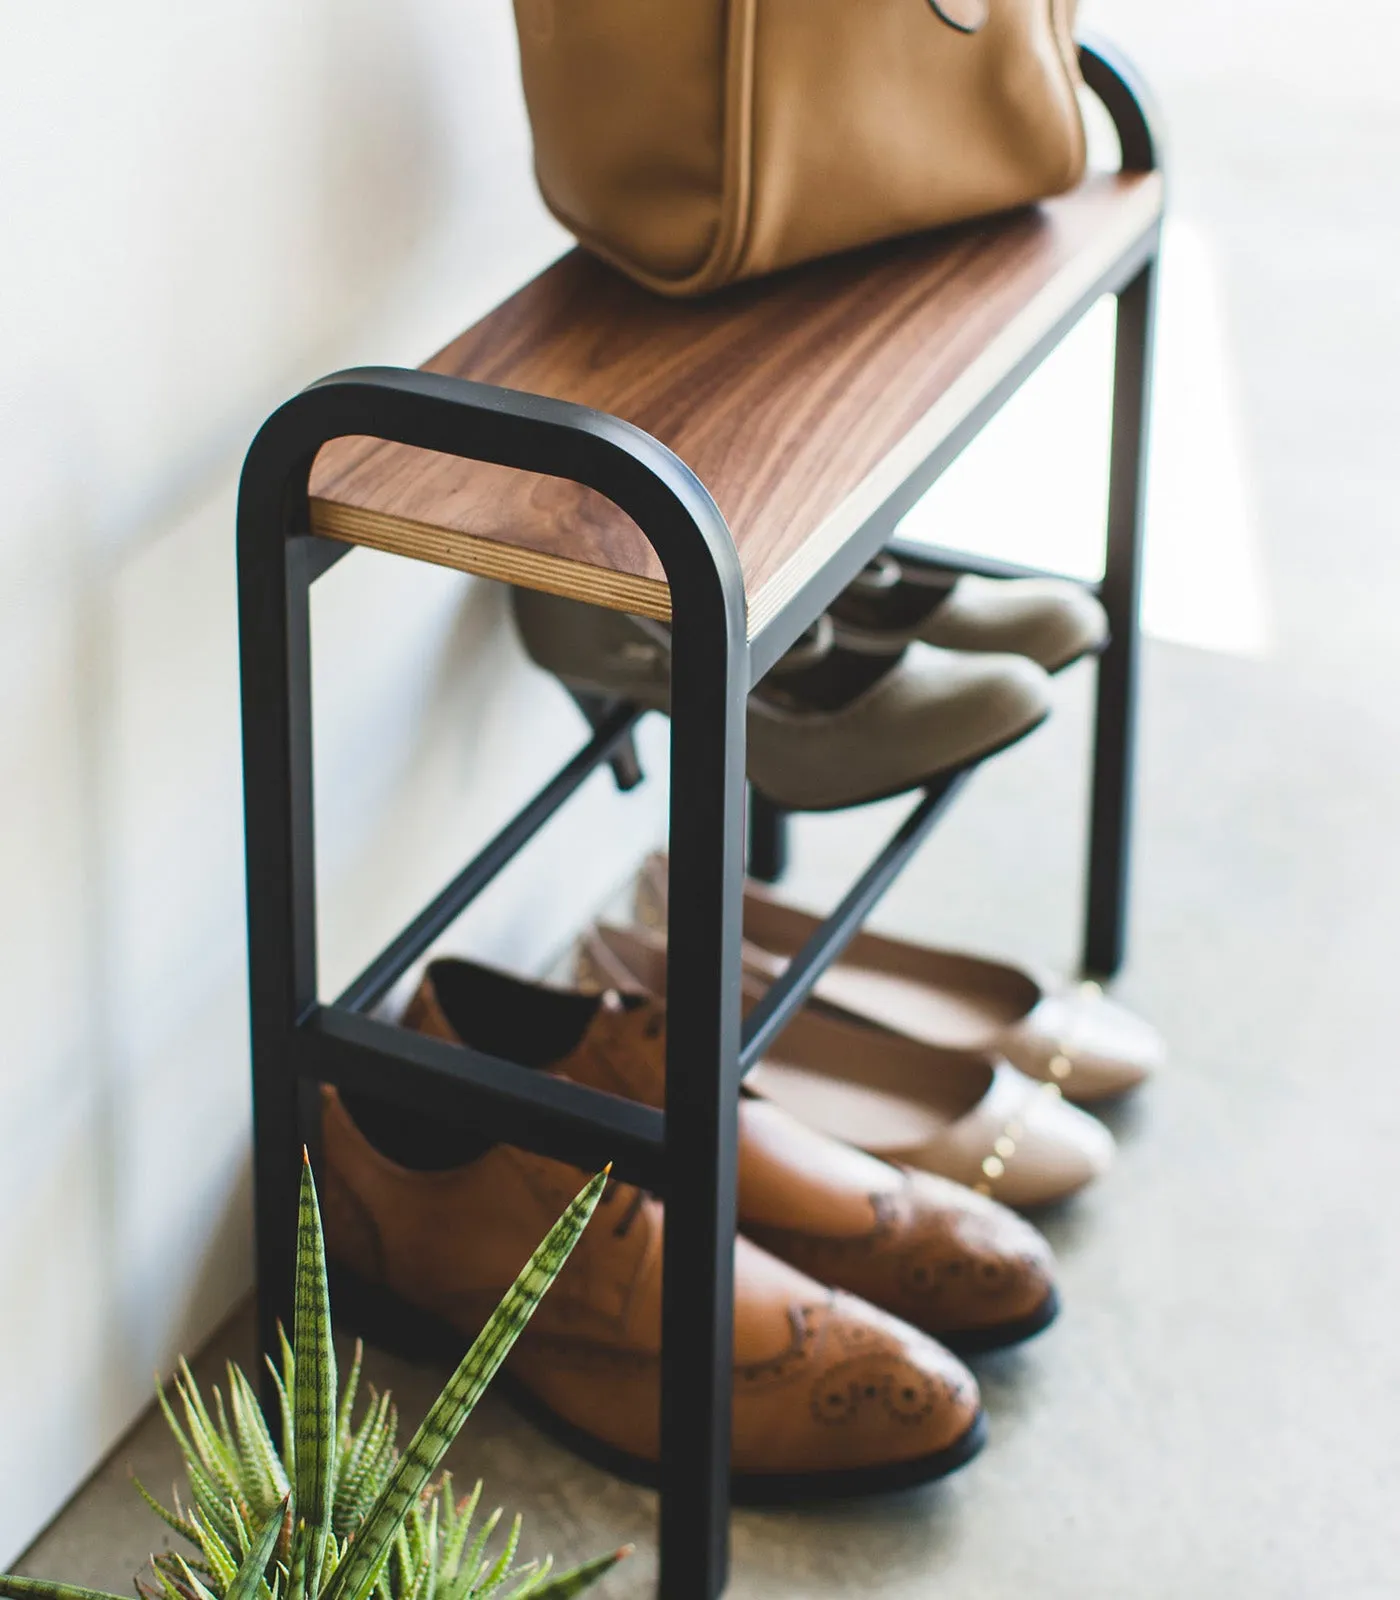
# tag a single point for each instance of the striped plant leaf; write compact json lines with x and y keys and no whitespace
{"x":261,"y":1466}
{"x":565,"y":1585}
{"x":501,"y":1568}
{"x":296,"y":1577}
{"x":15,"y":1588}
{"x":531,"y":1577}
{"x":248,"y":1581}
{"x":347,"y":1401}
{"x":314,"y":1415}
{"x":217,"y":1509}
{"x":362,"y":1473}
{"x":356,"y":1576}
{"x":458,"y":1527}
{"x":172,"y":1519}
{"x":425,"y":1588}
{"x":284,"y":1381}
{"x":191,"y":1581}
{"x":217,"y":1453}
{"x":200,"y":1485}
{"x":220,"y":1558}
{"x":166,"y":1566}
{"x":168,"y":1587}
{"x":474,"y":1560}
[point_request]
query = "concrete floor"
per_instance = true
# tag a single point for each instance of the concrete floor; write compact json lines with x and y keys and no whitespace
{"x":1218,"y":1413}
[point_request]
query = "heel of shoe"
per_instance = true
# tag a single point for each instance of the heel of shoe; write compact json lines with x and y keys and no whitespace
{"x":649,"y":904}
{"x":625,"y":763}
{"x":588,"y":975}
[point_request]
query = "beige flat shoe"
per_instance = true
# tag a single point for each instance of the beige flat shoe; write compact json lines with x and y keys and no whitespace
{"x":1069,"y":1035}
{"x":1049,"y":620}
{"x":957,"y":1114}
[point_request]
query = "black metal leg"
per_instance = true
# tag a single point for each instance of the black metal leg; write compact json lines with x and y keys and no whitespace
{"x":690,"y":1154}
{"x":274,"y":584}
{"x":708,"y":691}
{"x":1110,"y":838}
{"x":626,"y":764}
{"x":768,"y":839}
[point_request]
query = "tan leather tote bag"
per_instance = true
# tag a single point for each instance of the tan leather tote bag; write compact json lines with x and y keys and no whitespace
{"x":696,"y":142}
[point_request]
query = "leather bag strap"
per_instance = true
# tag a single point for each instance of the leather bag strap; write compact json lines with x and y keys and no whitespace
{"x":966,"y":16}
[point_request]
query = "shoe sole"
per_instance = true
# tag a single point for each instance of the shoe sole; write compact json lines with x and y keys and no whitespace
{"x":1093,"y":652}
{"x":390,"y":1323}
{"x":941,"y":775}
{"x":1002,"y":1335}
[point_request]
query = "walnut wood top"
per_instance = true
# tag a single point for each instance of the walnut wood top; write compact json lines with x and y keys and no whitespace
{"x":799,"y":401}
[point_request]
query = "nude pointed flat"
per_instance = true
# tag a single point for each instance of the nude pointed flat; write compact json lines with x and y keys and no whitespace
{"x":1069,"y":1035}
{"x":958,"y":1114}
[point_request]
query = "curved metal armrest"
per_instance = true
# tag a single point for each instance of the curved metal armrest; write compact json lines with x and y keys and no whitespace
{"x":504,"y":427}
{"x":1116,"y":82}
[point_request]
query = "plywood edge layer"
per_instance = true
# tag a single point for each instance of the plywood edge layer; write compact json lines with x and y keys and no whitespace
{"x":1020,"y":334}
{"x":489,"y":558}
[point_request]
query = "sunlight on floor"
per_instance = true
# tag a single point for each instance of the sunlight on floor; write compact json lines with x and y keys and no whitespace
{"x":1203,"y":584}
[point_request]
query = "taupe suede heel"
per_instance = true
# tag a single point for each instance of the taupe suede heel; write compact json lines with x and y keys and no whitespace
{"x":826,"y":729}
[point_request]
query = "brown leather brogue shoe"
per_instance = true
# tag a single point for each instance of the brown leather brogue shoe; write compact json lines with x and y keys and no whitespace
{"x":956,"y":1265}
{"x":831,"y":1396}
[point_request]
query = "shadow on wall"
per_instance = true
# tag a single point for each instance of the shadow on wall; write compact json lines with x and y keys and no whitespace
{"x":212,"y":208}
{"x":386,"y":177}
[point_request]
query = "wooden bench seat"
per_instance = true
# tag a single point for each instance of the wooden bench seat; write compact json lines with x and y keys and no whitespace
{"x":800,"y":401}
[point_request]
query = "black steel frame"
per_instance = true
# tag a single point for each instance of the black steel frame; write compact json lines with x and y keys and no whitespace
{"x":1133,"y":284}
{"x":688,"y":1152}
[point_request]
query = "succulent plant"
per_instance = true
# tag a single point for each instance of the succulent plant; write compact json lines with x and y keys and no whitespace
{"x":339,"y":1513}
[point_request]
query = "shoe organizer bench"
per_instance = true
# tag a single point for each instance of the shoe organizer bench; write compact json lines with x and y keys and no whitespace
{"x":726,"y":466}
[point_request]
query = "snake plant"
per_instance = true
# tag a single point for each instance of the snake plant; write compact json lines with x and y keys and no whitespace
{"x":339,"y":1513}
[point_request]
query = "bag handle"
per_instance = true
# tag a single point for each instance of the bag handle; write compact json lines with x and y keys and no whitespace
{"x":966,"y":16}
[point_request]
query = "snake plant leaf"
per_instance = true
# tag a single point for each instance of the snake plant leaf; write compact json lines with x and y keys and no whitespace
{"x":16,"y":1588}
{"x":565,"y":1585}
{"x":216,"y":1452}
{"x":426,"y":1586}
{"x":220,"y":1558}
{"x":363,"y":1471}
{"x":217,"y":1510}
{"x":296,"y":1578}
{"x":191,"y":1580}
{"x":347,"y":1401}
{"x":531,"y":1578}
{"x":210,"y":1497}
{"x":355,"y":1578}
{"x":458,"y":1526}
{"x":188,"y":1453}
{"x":246,"y":1541}
{"x":285,"y":1381}
{"x":248,"y":1581}
{"x":314,"y":1415}
{"x":168,"y":1587}
{"x":257,"y":1455}
{"x":501,"y":1568}
{"x":172,"y":1519}
{"x":472,"y":1562}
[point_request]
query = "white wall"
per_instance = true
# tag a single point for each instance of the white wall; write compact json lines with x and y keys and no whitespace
{"x":204,"y":207}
